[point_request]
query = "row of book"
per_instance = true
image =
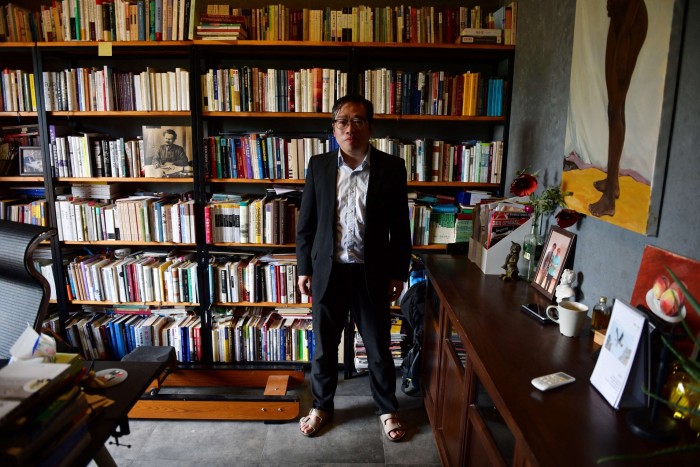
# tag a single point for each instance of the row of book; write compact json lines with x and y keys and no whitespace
{"x":24,"y":210}
{"x":253,"y":89}
{"x":265,"y":156}
{"x":396,"y":340}
{"x":163,"y":20}
{"x":145,"y":277}
{"x":257,"y":334}
{"x":430,"y":160}
{"x":95,"y":155}
{"x":17,"y":91}
{"x":362,"y":23}
{"x":97,"y":20}
{"x":138,"y":218}
{"x":262,"y":156}
{"x":432,"y":224}
{"x":139,"y":277}
{"x":240,"y":334}
{"x":254,"y":278}
{"x":109,"y":333}
{"x":398,"y":92}
{"x":255,"y":219}
{"x":104,"y":89}
{"x":269,"y":220}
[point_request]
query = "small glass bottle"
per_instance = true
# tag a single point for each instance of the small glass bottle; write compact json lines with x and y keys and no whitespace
{"x":600,"y":318}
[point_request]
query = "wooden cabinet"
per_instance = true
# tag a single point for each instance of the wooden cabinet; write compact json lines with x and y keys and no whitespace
{"x":452,"y":391}
{"x":482,"y":407}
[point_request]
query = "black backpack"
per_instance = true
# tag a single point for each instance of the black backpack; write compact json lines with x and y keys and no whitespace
{"x":413,"y":311}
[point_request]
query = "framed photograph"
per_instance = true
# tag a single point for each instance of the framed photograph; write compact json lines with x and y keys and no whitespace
{"x":555,"y":255}
{"x":167,"y":151}
{"x":31,"y":162}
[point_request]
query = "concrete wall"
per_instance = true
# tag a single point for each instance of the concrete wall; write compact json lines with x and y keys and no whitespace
{"x":607,"y":257}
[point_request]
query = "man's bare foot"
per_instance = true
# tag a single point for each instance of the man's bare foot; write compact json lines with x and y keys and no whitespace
{"x":605,"y":206}
{"x":600,"y":185}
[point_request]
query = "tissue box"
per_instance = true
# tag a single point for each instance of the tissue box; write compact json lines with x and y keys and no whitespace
{"x":491,"y":260}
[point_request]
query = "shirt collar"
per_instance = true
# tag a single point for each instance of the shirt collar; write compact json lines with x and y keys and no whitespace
{"x":365,"y":161}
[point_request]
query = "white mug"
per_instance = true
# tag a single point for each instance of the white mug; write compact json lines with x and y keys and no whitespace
{"x":570,"y":316}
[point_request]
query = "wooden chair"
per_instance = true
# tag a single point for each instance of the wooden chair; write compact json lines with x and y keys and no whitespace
{"x":24,"y":292}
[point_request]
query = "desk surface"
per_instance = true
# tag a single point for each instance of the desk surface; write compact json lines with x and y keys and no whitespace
{"x":124,"y":395}
{"x":572,"y":425}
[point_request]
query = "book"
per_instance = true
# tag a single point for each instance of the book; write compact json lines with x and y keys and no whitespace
{"x":28,"y":383}
{"x":480,"y":39}
{"x":622,"y":369}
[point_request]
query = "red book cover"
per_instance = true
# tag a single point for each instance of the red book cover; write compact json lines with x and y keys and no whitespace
{"x":240,"y":157}
{"x":197,"y":340}
{"x":458,"y":96}
{"x":215,"y":165}
{"x":133,"y":290}
{"x":413,"y":24}
{"x":207,"y":224}
{"x":281,"y":271}
{"x":291,"y":104}
{"x":318,"y":89}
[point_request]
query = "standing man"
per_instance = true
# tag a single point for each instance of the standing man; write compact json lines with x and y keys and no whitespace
{"x":353,"y":250}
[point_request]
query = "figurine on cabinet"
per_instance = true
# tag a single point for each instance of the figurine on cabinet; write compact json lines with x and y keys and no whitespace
{"x":564,"y":290}
{"x":511,"y":264}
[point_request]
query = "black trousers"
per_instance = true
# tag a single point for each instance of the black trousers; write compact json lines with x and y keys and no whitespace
{"x":347,"y":292}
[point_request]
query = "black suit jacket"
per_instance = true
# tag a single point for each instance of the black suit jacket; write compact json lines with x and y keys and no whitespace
{"x":387,"y":242}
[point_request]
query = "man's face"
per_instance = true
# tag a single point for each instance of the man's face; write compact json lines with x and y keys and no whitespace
{"x":169,"y":139}
{"x":352,"y":138}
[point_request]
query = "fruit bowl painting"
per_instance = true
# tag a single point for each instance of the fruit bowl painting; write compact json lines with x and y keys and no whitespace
{"x":654,"y":305}
{"x":656,"y":291}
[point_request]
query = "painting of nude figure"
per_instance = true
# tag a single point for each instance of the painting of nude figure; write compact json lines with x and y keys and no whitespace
{"x":622,"y":87}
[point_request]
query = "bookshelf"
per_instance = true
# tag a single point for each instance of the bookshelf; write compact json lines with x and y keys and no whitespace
{"x":206,"y":116}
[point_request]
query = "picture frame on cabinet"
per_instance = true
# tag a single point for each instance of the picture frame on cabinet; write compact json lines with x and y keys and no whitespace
{"x":555,"y":256}
{"x":31,"y":162}
{"x":168,"y":151}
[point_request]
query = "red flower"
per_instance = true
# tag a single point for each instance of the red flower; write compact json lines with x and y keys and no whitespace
{"x":525,"y":184}
{"x":567,"y":218}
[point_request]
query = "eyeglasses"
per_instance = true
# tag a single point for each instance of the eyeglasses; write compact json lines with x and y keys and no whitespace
{"x":342,"y":123}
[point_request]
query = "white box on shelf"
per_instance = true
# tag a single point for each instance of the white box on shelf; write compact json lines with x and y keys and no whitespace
{"x":491,"y":260}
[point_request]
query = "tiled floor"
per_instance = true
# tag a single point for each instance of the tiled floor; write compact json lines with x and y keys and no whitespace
{"x":354,"y":437}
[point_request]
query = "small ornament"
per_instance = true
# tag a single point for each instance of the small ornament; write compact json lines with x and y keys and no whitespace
{"x":511,"y":264}
{"x":564,"y":290}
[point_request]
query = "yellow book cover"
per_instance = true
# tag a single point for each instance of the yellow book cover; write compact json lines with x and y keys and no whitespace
{"x":32,"y":92}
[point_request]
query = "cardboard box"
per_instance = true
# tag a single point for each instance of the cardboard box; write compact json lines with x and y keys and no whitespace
{"x":491,"y":260}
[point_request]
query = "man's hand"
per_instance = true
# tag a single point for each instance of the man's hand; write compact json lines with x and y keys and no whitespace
{"x":395,"y":288}
{"x":304,"y":283}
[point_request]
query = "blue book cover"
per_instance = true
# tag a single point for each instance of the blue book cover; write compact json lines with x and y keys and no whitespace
{"x":185,"y":343}
{"x":283,"y":343}
{"x":237,"y":149}
{"x":232,"y":143}
{"x":141,"y":19}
